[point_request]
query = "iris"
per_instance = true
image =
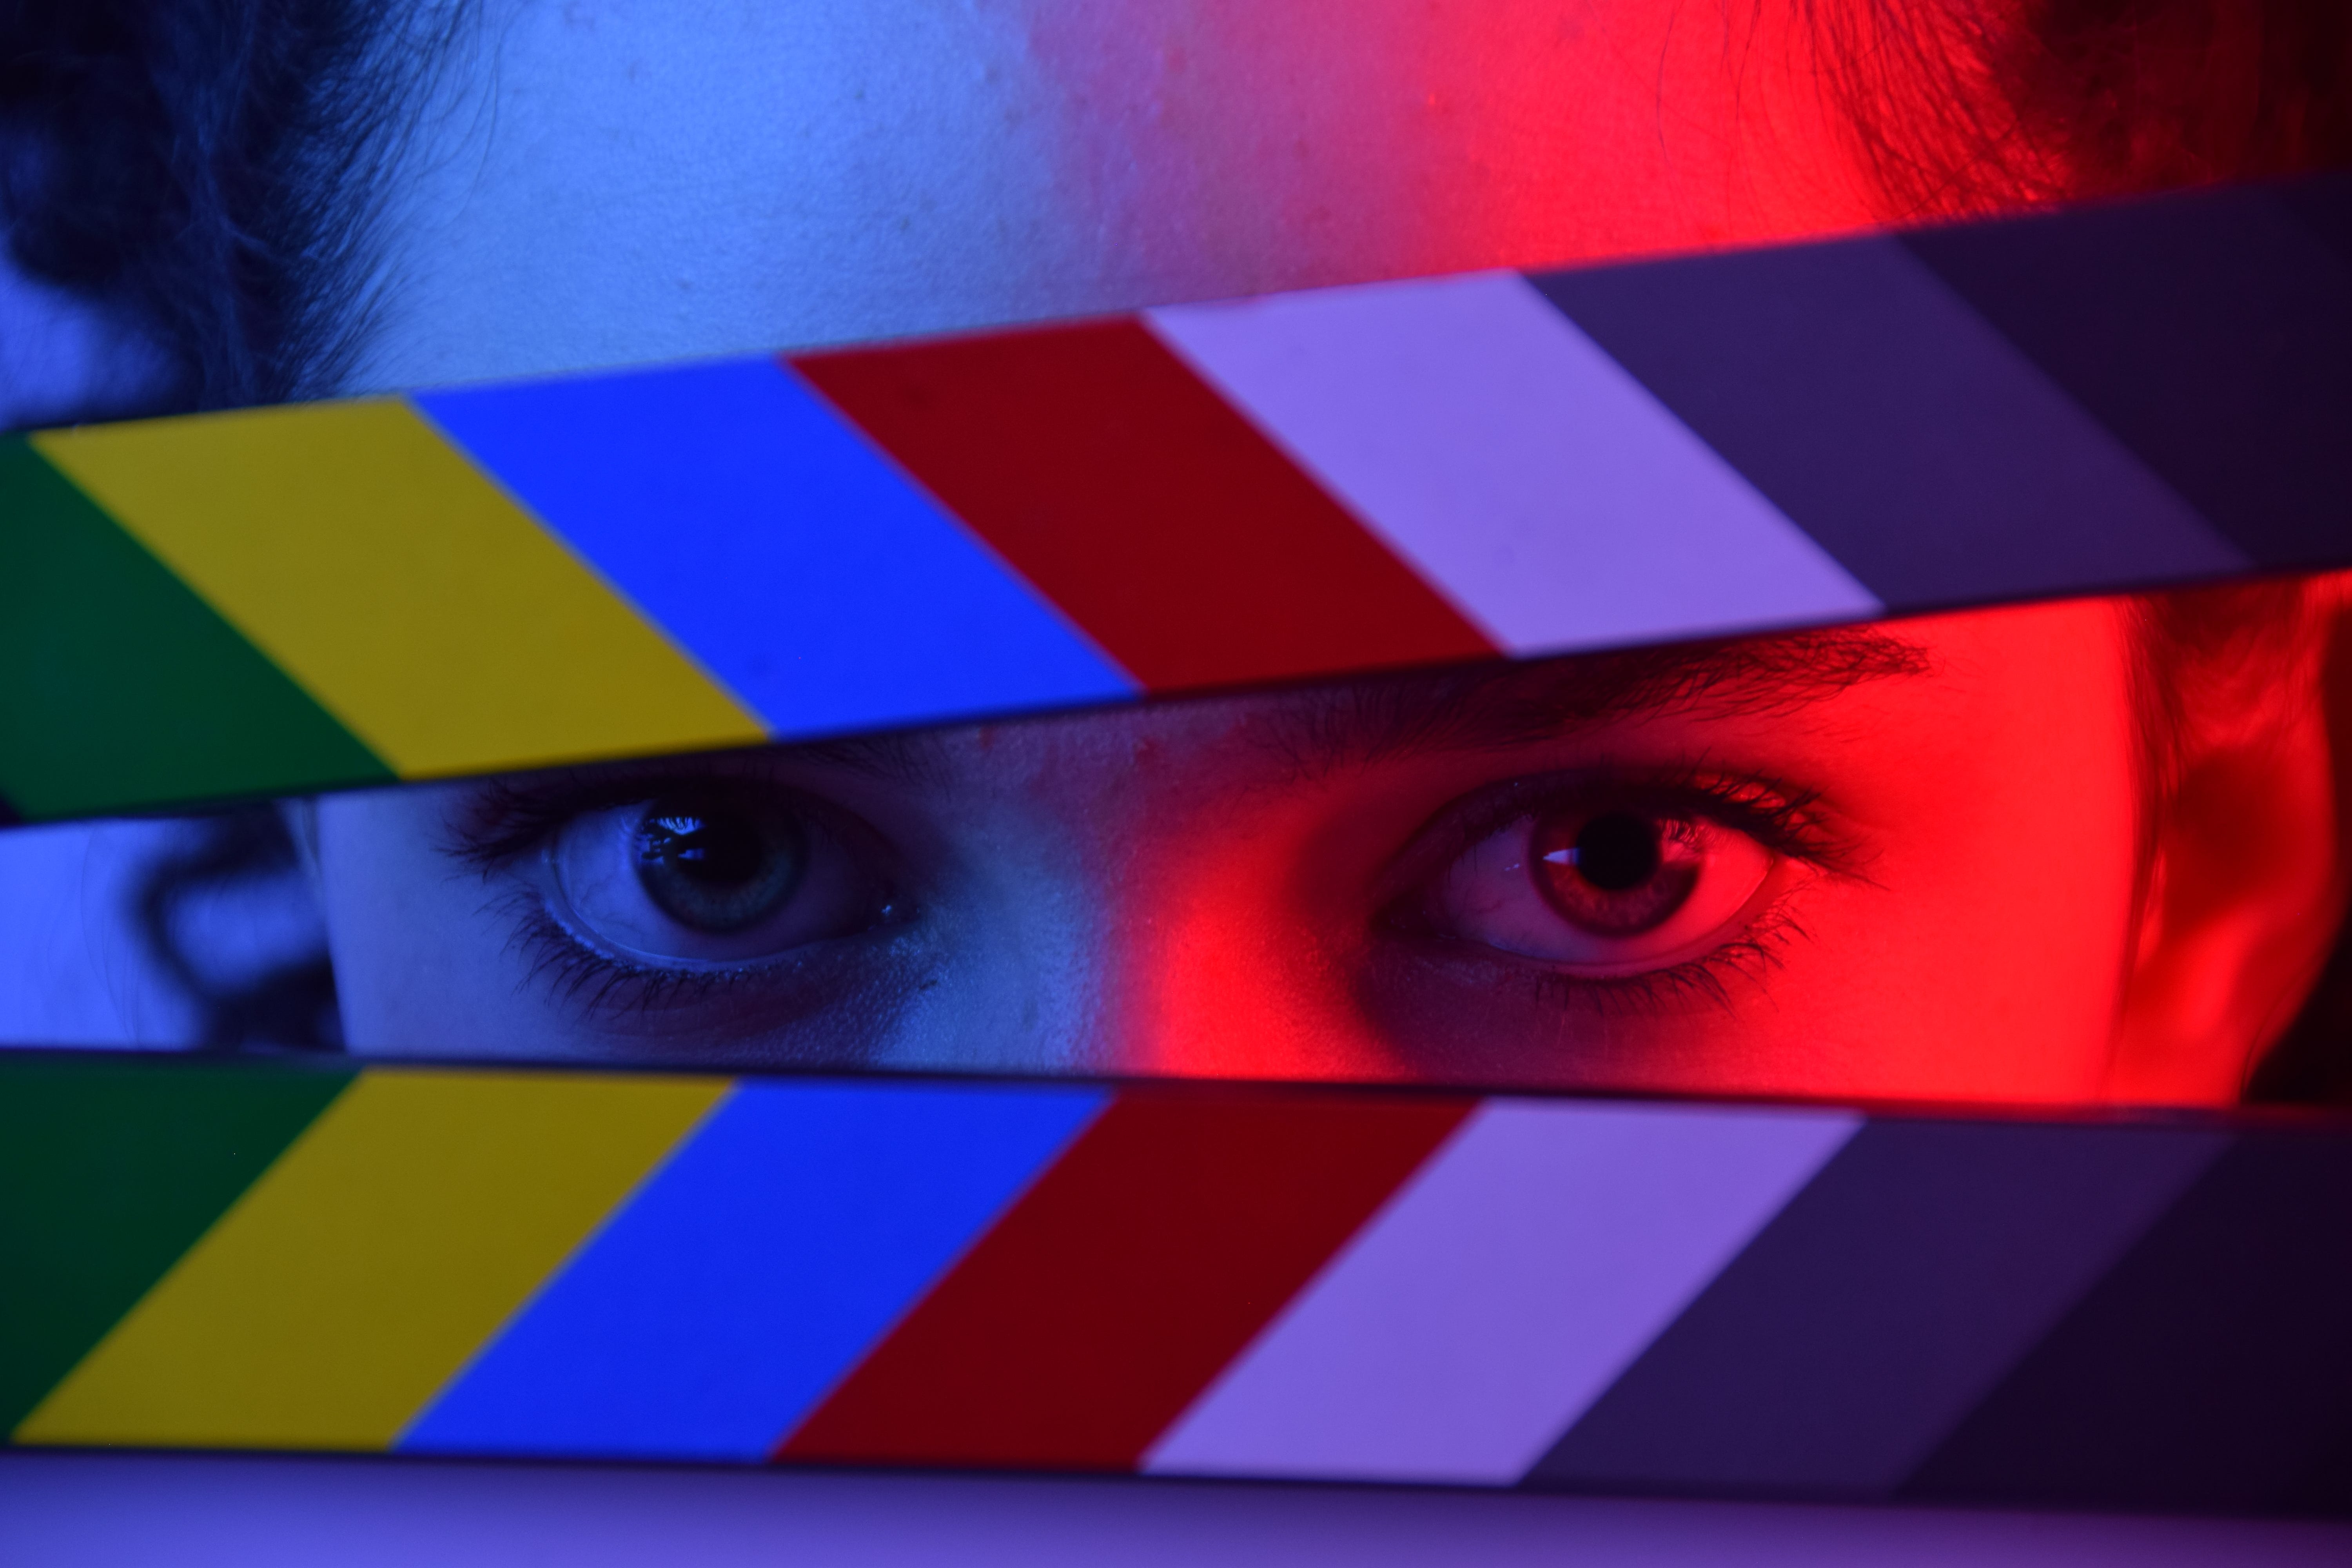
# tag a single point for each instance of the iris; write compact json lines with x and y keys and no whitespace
{"x":1619,"y":873}
{"x":715,"y":867}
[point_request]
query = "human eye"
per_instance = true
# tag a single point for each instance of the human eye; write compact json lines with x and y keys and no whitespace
{"x":1615,"y":880}
{"x":635,"y":891}
{"x":701,"y":878}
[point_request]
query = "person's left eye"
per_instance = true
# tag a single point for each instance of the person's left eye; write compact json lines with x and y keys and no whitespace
{"x":1606,"y":891}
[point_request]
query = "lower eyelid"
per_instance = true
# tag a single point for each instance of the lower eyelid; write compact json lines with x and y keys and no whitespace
{"x":789,"y":991}
{"x":1709,"y":977}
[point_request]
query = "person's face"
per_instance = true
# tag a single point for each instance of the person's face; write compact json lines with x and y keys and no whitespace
{"x":1899,"y":861}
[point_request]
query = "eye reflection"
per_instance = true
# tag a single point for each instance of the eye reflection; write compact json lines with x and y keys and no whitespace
{"x":1619,"y":873}
{"x":719,"y":869}
{"x":708,"y":880}
{"x":1609,"y":893}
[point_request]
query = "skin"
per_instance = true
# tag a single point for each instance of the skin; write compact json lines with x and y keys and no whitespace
{"x":606,"y":182}
{"x":1211,"y":888}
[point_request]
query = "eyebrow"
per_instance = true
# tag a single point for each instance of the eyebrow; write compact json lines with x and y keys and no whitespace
{"x":1502,"y":706}
{"x":1493,"y":706}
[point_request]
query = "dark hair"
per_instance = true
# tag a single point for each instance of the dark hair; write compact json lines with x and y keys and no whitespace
{"x":278,"y":1000}
{"x":211,"y":171}
{"x":1960,"y":110}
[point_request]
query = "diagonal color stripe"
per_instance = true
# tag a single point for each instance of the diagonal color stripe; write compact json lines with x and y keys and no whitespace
{"x":1499,"y":1293}
{"x":2209,"y":1370}
{"x":363,"y":1268}
{"x":1141,"y":1264}
{"x":1879,"y":1306}
{"x":108,"y":1172}
{"x":2212,"y":331}
{"x":1155,"y":516}
{"x":750,"y":1272}
{"x":125,"y":689}
{"x":778,"y":547}
{"x":1893,"y":424}
{"x":1495,"y":447}
{"x":329,"y":535}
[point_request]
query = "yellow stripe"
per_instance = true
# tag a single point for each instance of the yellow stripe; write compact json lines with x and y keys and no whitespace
{"x":400,"y":587}
{"x":371,"y":1261}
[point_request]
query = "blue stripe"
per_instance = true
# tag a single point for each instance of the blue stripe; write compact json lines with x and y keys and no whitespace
{"x":776,"y":545}
{"x":752,"y":1271}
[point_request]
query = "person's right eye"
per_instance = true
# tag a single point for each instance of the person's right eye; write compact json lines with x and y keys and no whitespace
{"x":706,"y":878}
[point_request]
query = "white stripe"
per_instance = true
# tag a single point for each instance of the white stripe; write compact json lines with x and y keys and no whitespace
{"x":1500,"y":1292}
{"x":1522,"y":471}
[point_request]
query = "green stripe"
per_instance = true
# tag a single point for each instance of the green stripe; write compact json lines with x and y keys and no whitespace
{"x":108,"y":1172}
{"x":124,"y":689}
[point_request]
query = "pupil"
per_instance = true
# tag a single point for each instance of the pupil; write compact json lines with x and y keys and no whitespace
{"x":1616,"y":852}
{"x":719,"y":869}
{"x":715,"y":851}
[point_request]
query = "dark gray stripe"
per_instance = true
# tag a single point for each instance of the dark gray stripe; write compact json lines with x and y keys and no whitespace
{"x":1872,"y":1313}
{"x":2212,"y":1368}
{"x":1893,"y":424}
{"x":2211,"y":333}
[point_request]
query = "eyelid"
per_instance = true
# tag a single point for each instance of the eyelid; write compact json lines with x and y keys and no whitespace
{"x":1788,"y":821}
{"x":1707,"y":976}
{"x":609,"y":979}
{"x":500,"y":820}
{"x":619,"y":990}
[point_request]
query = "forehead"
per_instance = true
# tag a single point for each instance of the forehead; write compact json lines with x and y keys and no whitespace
{"x":604,"y":181}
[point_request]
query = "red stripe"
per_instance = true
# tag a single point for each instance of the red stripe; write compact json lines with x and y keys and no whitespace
{"x":1131,"y":496}
{"x":1136,"y":1270}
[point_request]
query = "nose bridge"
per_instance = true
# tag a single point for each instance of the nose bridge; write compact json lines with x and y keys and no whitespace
{"x":1115,"y":934}
{"x":1150,"y":916}
{"x":1050,"y":829}
{"x":1209,"y":969}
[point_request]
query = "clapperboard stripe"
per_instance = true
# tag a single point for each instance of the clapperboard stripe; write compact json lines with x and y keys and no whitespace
{"x":125,"y":687}
{"x":113,"y":1173}
{"x":1877,"y":1308}
{"x":1192,"y":498}
{"x":2209,"y":335}
{"x":397,"y":583}
{"x":1134,"y":1270}
{"x":796,"y":562}
{"x":1163,"y":523}
{"x":2208,"y":1368}
{"x":1499,"y":1293}
{"x":1313,"y":1285}
{"x":1473,"y":397}
{"x":362,"y":1269}
{"x":757,"y":1267}
{"x":1921,"y":448}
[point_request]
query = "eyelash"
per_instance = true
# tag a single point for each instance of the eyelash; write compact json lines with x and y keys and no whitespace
{"x":1785,"y":820}
{"x":504,"y":822}
{"x":604,"y":985}
{"x":1707,"y":977}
